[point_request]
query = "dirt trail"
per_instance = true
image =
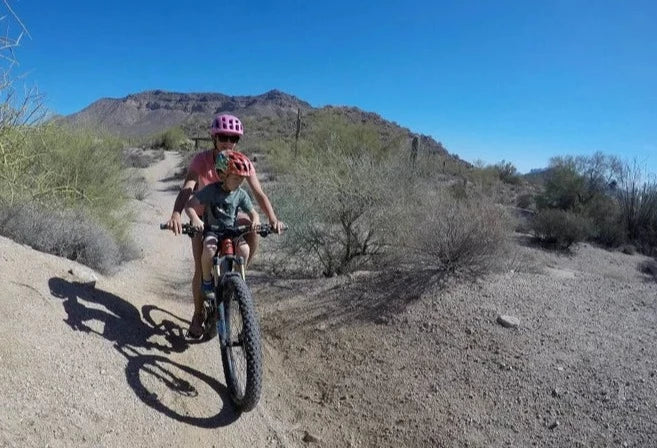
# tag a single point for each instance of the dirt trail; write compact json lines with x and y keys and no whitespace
{"x":109,"y":366}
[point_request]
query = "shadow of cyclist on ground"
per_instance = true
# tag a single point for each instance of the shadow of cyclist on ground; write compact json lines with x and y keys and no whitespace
{"x":123,"y":325}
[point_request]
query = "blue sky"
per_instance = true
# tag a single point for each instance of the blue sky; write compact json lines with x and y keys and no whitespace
{"x":492,"y":80}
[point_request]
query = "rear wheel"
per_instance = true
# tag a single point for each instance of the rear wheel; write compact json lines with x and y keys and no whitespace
{"x":242,"y":356}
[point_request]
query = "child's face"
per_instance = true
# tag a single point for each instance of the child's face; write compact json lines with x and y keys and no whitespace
{"x":232,"y":182}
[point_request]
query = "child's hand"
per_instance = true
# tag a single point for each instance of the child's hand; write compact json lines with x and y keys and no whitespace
{"x":197,"y":224}
{"x":255,"y":224}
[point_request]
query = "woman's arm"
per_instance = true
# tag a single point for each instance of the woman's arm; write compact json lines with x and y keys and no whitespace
{"x":263,"y":201}
{"x":175,"y":223}
{"x":191,"y":212}
{"x":254,"y":217}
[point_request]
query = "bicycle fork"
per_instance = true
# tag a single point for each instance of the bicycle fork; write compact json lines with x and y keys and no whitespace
{"x":221,"y":266}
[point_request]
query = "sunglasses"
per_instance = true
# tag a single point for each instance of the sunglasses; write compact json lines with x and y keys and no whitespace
{"x":228,"y":138}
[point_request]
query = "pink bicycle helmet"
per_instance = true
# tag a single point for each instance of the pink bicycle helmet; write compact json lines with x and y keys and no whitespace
{"x":226,"y":124}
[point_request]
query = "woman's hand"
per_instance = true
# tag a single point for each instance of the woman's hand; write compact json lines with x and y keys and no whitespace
{"x":175,"y":223}
{"x":277,"y":226}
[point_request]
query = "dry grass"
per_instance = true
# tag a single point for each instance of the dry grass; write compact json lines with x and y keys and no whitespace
{"x":649,"y":267}
{"x":70,"y":234}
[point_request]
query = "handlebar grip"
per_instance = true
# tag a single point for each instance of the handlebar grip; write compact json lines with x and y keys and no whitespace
{"x":163,"y":227}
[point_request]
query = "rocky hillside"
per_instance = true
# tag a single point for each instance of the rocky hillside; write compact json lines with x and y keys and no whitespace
{"x":272,"y":114}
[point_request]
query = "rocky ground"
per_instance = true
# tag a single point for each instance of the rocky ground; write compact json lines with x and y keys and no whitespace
{"x":363,"y":360}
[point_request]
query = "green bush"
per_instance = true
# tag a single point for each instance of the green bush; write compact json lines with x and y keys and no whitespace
{"x":171,"y":139}
{"x":63,"y":169}
{"x":564,"y":189}
{"x":559,"y":228}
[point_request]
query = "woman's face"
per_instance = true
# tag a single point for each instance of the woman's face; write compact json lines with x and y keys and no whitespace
{"x":223,"y":142}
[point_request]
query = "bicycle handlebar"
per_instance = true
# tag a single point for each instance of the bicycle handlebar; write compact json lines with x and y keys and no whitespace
{"x":226,"y":232}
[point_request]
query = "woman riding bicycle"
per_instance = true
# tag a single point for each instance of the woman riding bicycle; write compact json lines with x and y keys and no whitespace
{"x":226,"y":131}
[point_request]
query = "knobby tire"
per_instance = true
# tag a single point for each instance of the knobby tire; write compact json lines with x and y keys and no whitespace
{"x":238,"y":301}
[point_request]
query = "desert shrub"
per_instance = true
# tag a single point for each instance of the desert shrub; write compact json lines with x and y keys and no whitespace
{"x":637,"y":196}
{"x":335,"y":213}
{"x":458,"y":235}
{"x":139,"y":158}
{"x":507,"y":173}
{"x":328,"y":135}
{"x":136,"y":186}
{"x":488,"y":176}
{"x":172,"y":138}
{"x":606,"y":225}
{"x":524,"y":200}
{"x":563,"y":189}
{"x":459,"y":189}
{"x":482,"y":175}
{"x":348,"y":213}
{"x":628,"y":249}
{"x":66,"y":233}
{"x":560,"y":228}
{"x":62,"y":165}
{"x":649,"y":267}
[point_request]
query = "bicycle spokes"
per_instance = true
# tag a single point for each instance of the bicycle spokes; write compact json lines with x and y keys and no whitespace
{"x":235,"y":342}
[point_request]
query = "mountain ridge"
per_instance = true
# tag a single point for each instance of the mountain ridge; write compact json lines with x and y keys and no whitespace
{"x":149,"y":112}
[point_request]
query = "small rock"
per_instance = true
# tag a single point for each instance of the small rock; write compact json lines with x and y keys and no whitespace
{"x":556,"y":392}
{"x":309,"y":438}
{"x":554,"y":424}
{"x":469,"y":330}
{"x":508,"y":321}
{"x":84,"y":276}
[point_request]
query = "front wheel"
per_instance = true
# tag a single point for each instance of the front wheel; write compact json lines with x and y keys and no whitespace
{"x":242,"y":354}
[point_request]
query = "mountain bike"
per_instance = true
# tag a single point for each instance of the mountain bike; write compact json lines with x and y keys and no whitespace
{"x":232,"y":317}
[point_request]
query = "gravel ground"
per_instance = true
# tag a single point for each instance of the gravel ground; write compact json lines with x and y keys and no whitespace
{"x":380,"y":366}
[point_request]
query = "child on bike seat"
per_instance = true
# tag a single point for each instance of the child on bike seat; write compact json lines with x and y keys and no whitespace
{"x":222,"y":200}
